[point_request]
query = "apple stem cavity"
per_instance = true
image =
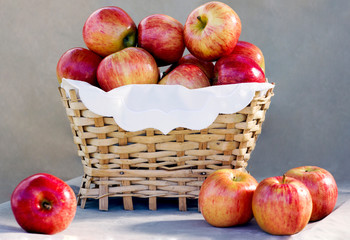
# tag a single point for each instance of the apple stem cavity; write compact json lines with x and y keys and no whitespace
{"x":202,"y":21}
{"x":46,"y":205}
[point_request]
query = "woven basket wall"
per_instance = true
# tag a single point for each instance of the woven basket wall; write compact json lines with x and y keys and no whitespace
{"x":149,"y":164}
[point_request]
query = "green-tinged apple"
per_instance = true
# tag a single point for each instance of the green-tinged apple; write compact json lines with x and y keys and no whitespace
{"x":206,"y":67}
{"x":282,"y":205}
{"x":250,"y":50}
{"x":78,"y":64}
{"x":43,"y":203}
{"x":131,"y":65}
{"x":108,"y":30}
{"x":225,"y":197}
{"x":187,"y":75}
{"x":212,"y":30}
{"x":237,"y":69}
{"x":162,"y":36}
{"x":322,"y":187}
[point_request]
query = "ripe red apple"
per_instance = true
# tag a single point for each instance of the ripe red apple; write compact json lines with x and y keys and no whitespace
{"x":78,"y":64}
{"x":43,"y":203}
{"x":188,"y":75}
{"x":108,"y":30}
{"x":162,"y":36}
{"x":131,"y":65}
{"x":282,"y":205}
{"x":322,"y":187}
{"x":212,"y":31}
{"x":237,"y":69}
{"x":225,"y":197}
{"x":250,"y":50}
{"x":206,"y":67}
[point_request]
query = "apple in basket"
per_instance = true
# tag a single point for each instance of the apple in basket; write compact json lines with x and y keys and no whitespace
{"x":188,"y":75}
{"x":237,"y":69}
{"x":225,"y":197}
{"x":78,"y":64}
{"x":322,"y":187}
{"x":131,"y":65}
{"x":108,"y":30}
{"x":205,"y":66}
{"x":162,"y":36}
{"x":212,"y":31}
{"x":282,"y":205}
{"x":250,"y":50}
{"x":43,"y":203}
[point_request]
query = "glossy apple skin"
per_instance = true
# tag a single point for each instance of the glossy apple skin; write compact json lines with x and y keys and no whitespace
{"x":162,"y":36}
{"x":78,"y":64}
{"x":215,"y":34}
{"x":322,"y":187}
{"x":108,"y":30}
{"x":131,"y":65}
{"x":187,"y":75}
{"x":206,"y":67}
{"x":282,"y":207}
{"x":43,"y":203}
{"x":225,"y":198}
{"x":237,"y":69}
{"x":250,"y":50}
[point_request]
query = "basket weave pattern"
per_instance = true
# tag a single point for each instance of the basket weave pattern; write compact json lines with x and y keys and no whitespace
{"x":149,"y":164}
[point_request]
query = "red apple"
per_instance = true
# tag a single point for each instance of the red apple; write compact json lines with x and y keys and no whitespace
{"x":78,"y":64}
{"x":131,"y":65}
{"x":162,"y":36}
{"x":322,"y":187}
{"x":250,"y":50}
{"x":282,"y":205}
{"x":237,"y":69}
{"x":225,"y":198}
{"x":212,"y":30}
{"x":206,"y":67}
{"x":43,"y":203}
{"x":188,"y":75}
{"x":108,"y":30}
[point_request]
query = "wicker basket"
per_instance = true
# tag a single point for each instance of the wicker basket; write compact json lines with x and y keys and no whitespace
{"x":149,"y":164}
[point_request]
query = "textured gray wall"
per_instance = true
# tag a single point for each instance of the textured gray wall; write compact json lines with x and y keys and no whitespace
{"x":306,"y":46}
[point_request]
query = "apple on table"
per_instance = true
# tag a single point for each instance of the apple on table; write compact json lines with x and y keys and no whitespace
{"x":43,"y":203}
{"x":212,"y":30}
{"x":225,"y":197}
{"x":282,"y":205}
{"x":162,"y":36}
{"x":108,"y":30}
{"x":322,"y":187}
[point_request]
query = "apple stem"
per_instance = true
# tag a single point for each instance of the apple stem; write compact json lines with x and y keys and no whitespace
{"x":284,"y":179}
{"x":200,"y":19}
{"x":46,"y":205}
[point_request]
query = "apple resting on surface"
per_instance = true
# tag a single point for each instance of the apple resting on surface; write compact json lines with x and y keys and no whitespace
{"x":206,"y":67}
{"x":237,"y":69}
{"x":225,"y":197}
{"x":282,"y":205}
{"x":250,"y":50}
{"x":162,"y":36}
{"x":322,"y":187}
{"x":108,"y":30}
{"x":212,"y":30}
{"x":187,"y":75}
{"x":78,"y":64}
{"x":131,"y":65}
{"x":43,"y":203}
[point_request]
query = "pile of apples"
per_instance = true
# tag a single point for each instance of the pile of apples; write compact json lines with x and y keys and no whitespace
{"x":281,"y":205}
{"x":120,"y":53}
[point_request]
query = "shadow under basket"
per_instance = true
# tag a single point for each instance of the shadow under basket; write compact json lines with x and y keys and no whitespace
{"x":150,"y":164}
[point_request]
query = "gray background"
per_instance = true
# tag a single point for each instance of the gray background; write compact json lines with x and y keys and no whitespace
{"x":306,"y":48}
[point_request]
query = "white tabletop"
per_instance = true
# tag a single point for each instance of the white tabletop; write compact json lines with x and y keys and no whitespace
{"x":169,"y":223}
